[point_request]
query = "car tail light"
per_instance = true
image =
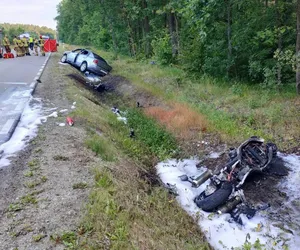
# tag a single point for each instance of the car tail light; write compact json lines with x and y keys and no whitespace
{"x":95,"y":61}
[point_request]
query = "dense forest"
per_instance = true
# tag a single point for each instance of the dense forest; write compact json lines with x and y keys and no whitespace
{"x":16,"y":29}
{"x":253,"y":41}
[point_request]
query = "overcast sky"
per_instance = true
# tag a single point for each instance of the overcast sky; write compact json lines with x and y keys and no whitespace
{"x":37,"y":12}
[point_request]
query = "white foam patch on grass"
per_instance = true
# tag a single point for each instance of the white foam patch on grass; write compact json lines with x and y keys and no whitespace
{"x":63,"y":63}
{"x":220,"y":230}
{"x":214,"y":155}
{"x":292,"y":182}
{"x":26,"y":130}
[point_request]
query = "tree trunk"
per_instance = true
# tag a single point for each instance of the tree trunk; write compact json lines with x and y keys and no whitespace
{"x":229,"y":53}
{"x":279,"y":42}
{"x":298,"y":49}
{"x":172,"y":28}
{"x":146,"y":28}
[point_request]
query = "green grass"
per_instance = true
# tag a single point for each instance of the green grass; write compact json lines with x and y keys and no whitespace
{"x":28,"y":174}
{"x":34,"y":164}
{"x":60,"y":158}
{"x":28,"y":199}
{"x":14,"y":207}
{"x":101,"y":147}
{"x":80,"y":185}
{"x":156,"y":138}
{"x":38,"y":237}
{"x":67,"y":238}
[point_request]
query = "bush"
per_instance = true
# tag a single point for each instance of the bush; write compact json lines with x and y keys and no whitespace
{"x":162,"y":49}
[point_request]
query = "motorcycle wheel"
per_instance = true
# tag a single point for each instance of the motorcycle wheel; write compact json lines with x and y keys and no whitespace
{"x":211,"y":202}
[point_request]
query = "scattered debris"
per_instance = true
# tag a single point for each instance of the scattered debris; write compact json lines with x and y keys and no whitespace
{"x":70,"y":121}
{"x":172,"y":188}
{"x":63,"y":111}
{"x":73,"y":106}
{"x":54,"y":114}
{"x":60,"y":124}
{"x":115,"y":110}
{"x":131,"y":134}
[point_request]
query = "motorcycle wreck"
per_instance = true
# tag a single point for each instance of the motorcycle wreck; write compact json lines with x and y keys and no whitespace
{"x":224,"y":193}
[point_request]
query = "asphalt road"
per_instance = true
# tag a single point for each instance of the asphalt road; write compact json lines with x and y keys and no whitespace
{"x":17,"y":80}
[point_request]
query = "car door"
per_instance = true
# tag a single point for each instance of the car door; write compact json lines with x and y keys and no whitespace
{"x":72,"y":55}
{"x":82,"y":56}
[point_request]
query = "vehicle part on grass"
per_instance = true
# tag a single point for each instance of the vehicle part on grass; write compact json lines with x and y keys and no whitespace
{"x":244,"y":209}
{"x":223,"y":193}
{"x":229,"y":205}
{"x":115,"y":110}
{"x":131,"y":133}
{"x":86,"y":60}
{"x":171,"y":188}
{"x":217,"y":198}
{"x":196,"y":182}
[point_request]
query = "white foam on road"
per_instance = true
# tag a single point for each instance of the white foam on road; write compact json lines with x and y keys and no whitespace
{"x":220,"y":230}
{"x":26,"y":130}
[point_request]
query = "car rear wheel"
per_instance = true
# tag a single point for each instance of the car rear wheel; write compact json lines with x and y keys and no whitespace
{"x":83,"y":67}
{"x":64,"y":59}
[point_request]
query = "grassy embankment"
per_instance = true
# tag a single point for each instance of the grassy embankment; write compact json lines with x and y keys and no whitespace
{"x":126,"y":209}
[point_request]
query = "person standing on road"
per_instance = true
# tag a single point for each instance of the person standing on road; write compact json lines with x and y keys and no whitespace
{"x":36,"y":45}
{"x":21,"y":47}
{"x":6,"y":44}
{"x":16,"y":48}
{"x":42,"y":42}
{"x":31,"y":42}
{"x":25,"y":44}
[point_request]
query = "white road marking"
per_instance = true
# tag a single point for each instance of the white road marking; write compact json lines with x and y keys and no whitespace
{"x":7,"y":126}
{"x":32,"y":85}
{"x":14,"y":83}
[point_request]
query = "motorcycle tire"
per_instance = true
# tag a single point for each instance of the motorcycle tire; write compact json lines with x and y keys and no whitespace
{"x":219,"y":197}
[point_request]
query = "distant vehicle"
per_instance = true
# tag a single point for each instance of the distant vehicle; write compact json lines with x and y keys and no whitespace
{"x":86,"y":61}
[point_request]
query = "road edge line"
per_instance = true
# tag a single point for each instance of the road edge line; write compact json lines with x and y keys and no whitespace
{"x":39,"y":74}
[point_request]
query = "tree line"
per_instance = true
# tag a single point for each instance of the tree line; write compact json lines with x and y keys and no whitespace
{"x":12,"y":30}
{"x":253,"y":40}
